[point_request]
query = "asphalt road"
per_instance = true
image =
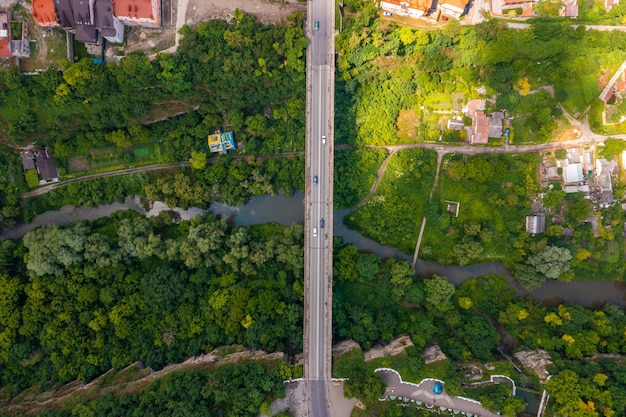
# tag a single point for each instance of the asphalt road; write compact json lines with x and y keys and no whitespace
{"x":319,"y":204}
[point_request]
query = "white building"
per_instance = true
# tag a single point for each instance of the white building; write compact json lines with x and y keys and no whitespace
{"x":410,"y":8}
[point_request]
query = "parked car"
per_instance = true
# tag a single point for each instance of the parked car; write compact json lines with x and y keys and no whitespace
{"x":388,"y":14}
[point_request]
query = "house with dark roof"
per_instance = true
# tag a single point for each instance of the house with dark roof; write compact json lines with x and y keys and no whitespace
{"x":28,"y":158}
{"x":496,"y":123}
{"x":88,"y":20}
{"x":48,"y":171}
{"x":39,"y":158}
{"x":65,"y":15}
{"x":110,"y":26}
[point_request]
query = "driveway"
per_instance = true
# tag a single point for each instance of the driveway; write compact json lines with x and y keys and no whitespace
{"x":422,"y":393}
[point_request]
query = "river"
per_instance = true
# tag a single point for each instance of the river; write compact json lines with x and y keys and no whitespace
{"x":287,"y":210}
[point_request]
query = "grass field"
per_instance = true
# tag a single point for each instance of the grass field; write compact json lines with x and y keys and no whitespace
{"x":613,"y":252}
{"x":580,"y":93}
{"x":522,"y":135}
{"x":143,"y":151}
{"x":78,"y":163}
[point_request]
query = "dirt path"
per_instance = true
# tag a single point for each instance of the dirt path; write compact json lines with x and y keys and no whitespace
{"x":440,"y":156}
{"x":211,"y":160}
{"x":379,"y":177}
{"x":265,"y":11}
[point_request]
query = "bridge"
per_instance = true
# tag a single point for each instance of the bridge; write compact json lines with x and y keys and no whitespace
{"x":318,"y":238}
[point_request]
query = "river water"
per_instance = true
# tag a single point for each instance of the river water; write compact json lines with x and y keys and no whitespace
{"x":287,"y":210}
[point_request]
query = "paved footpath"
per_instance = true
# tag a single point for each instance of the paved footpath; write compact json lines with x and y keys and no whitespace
{"x":423,"y":393}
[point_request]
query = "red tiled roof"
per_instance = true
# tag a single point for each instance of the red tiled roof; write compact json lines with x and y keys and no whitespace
{"x":5,"y":51}
{"x":608,"y":95}
{"x":475,"y":104}
{"x":620,"y":85}
{"x":480,"y":123}
{"x":43,"y":12}
{"x":456,"y":3}
{"x":528,"y":12}
{"x":412,"y":4}
{"x":135,"y":9}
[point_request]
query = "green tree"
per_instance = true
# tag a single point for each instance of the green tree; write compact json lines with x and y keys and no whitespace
{"x":578,"y":211}
{"x":551,"y":262}
{"x":528,"y":276}
{"x":198,"y":160}
{"x":438,"y":293}
{"x":51,"y":250}
{"x":553,"y":198}
{"x":612,"y":148}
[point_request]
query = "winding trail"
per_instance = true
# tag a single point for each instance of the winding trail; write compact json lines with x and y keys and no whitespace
{"x":156,"y":167}
{"x":379,"y":177}
{"x":440,"y":156}
{"x":586,"y":138}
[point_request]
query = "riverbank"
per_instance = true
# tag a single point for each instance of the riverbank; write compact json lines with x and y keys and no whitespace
{"x":287,"y":210}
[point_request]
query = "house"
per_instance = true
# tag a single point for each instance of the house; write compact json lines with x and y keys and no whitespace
{"x":5,"y":36}
{"x":89,"y":20}
{"x":410,"y":8}
{"x":536,"y":224}
{"x":453,"y":208}
{"x":496,"y":122}
{"x":221,"y":142}
{"x":573,"y":174}
{"x":44,"y":13}
{"x":456,"y":124}
{"x":608,"y":4}
{"x":138,"y":12}
{"x":45,"y":166}
{"x":474,"y":105}
{"x":452,"y":8}
{"x":571,"y":9}
{"x":577,"y":189}
{"x":40,"y":159}
{"x":604,"y":171}
{"x":480,"y":128}
{"x":65,"y":15}
{"x":110,"y":26}
{"x":28,"y":158}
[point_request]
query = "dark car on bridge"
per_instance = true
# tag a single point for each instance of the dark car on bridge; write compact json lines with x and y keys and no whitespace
{"x":322,"y":222}
{"x":317,"y":25}
{"x":315,"y":180}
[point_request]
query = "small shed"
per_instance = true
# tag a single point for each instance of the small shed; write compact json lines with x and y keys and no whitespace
{"x":536,"y":224}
